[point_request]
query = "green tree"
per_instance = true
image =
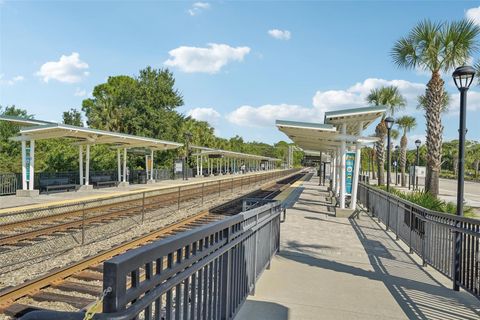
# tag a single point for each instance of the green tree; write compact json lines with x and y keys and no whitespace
{"x":10,"y":151}
{"x":391,"y":98}
{"x":435,"y":47}
{"x":73,"y":117}
{"x":406,"y":124}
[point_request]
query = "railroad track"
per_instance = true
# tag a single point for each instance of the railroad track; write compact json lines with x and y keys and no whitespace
{"x":78,"y":284}
{"x":18,"y":234}
{"x":84,"y":277}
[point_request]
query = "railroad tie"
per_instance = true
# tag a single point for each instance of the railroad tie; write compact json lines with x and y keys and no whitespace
{"x":76,"y":302}
{"x":88,"y":276}
{"x":70,"y":286}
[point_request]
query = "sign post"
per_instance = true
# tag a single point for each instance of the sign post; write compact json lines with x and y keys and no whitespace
{"x":349,"y":166}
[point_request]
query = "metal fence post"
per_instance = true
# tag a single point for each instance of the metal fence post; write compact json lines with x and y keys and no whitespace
{"x":387,"y":222}
{"x":225,"y":280}
{"x":255,"y":250}
{"x":178,"y":199}
{"x":411,"y":228}
{"x":398,"y":217}
{"x":83,"y":224}
{"x":269,"y":242}
{"x":143,"y":207}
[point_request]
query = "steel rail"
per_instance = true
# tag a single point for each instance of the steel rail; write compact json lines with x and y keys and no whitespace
{"x":9,"y":295}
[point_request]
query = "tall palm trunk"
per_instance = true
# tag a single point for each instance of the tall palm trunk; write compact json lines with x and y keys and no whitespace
{"x":380,"y":132}
{"x":434,"y":97}
{"x":373,"y":163}
{"x":403,"y":158}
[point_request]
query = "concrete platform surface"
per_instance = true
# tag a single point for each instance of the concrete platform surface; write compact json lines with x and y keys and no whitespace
{"x":340,"y":268}
{"x":10,"y":202}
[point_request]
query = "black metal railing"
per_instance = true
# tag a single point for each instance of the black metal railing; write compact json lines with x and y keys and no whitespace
{"x":8,"y":183}
{"x":204,"y":273}
{"x":429,"y":234}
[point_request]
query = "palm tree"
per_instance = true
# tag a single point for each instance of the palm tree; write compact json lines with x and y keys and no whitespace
{"x":435,"y":47}
{"x":405,"y":123}
{"x":391,"y":98}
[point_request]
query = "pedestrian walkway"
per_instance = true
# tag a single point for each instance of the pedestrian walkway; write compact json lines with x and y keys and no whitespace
{"x":339,"y":268}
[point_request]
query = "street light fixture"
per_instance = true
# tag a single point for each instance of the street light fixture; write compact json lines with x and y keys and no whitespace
{"x":463,"y":78}
{"x":389,"y":124}
{"x":416,"y":164}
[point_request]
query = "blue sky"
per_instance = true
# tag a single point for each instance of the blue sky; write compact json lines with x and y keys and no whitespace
{"x":240,"y":65}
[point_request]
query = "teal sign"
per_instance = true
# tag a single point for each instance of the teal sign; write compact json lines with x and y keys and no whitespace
{"x":27,"y":163}
{"x":349,"y":166}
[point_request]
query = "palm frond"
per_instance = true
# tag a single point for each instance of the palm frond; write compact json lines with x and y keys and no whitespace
{"x":458,"y":42}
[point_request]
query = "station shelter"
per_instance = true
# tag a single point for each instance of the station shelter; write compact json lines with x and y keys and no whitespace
{"x":341,"y":138}
{"x":216,"y":161}
{"x":83,"y":138}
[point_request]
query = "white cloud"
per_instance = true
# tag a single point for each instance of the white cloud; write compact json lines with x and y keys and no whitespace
{"x":198,"y":7}
{"x":80,"y":92}
{"x":322,"y":101}
{"x":280,"y":34}
{"x":473,"y":102}
{"x":11,"y":81}
{"x":473,"y":14}
{"x":208,"y":60}
{"x":69,"y":69}
{"x":210,"y":115}
{"x":265,"y":116}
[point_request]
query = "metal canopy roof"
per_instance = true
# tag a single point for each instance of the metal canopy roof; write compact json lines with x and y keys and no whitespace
{"x":92,"y":136}
{"x":326,"y":137}
{"x":238,"y":155}
{"x":352,"y":117}
{"x":24,"y":121}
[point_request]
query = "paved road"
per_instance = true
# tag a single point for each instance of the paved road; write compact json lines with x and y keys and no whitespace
{"x":448,"y":192}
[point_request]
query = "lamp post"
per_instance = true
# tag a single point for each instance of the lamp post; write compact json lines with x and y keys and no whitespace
{"x":396,"y":164}
{"x":188,"y":137}
{"x":463,"y":78}
{"x":416,"y":163}
{"x":389,"y":124}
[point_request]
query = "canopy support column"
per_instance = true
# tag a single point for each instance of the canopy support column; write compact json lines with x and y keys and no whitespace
{"x":80,"y":164}
{"x":201,"y":166}
{"x":342,"y":167}
{"x":356,"y":168}
{"x":124,"y":183}
{"x":28,"y":171}
{"x":150,"y":169}
{"x":31,"y":183}
{"x":119,"y":166}
{"x":24,"y":165}
{"x":198,"y":167}
{"x":87,"y":166}
{"x":333,"y":171}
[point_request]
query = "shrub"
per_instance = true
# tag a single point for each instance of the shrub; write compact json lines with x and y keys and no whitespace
{"x":427,"y":200}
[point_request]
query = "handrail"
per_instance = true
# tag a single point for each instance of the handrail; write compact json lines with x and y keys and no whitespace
{"x":428,"y":233}
{"x":207,"y":271}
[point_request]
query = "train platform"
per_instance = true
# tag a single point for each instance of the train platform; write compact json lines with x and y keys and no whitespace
{"x":14,"y":203}
{"x":341,"y":268}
